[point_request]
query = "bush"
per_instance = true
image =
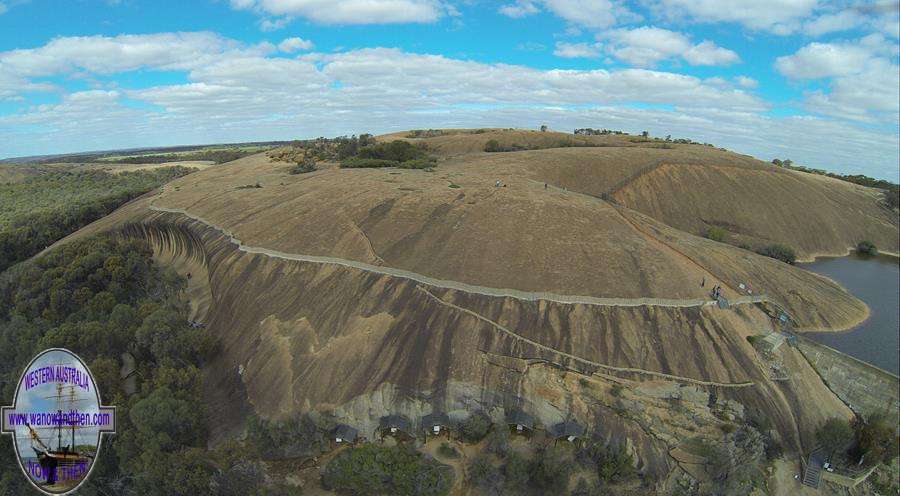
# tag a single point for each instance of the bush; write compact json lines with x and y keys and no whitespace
{"x":728,"y":428}
{"x":306,"y":166}
{"x":517,"y":472}
{"x":498,"y":440}
{"x":779,"y":252}
{"x":835,"y":435}
{"x":297,"y":436}
{"x":474,"y":428}
{"x":611,"y":464}
{"x":876,"y":440}
{"x":368,"y":163}
{"x":375,"y":470}
{"x":448,"y":451}
{"x":716,"y":234}
{"x":483,"y":474}
{"x":552,"y":468}
{"x":492,"y":146}
{"x":866,"y":248}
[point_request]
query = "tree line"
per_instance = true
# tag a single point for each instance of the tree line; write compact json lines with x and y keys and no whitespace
{"x":45,"y":208}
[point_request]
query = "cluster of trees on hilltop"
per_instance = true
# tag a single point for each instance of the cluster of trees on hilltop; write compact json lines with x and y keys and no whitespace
{"x":45,"y":208}
{"x":587,"y":131}
{"x":891,"y":190}
{"x":355,"y":152}
{"x":217,"y":156}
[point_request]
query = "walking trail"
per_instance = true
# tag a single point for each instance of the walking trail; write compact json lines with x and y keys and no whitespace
{"x":461,"y":286}
{"x":498,"y":292}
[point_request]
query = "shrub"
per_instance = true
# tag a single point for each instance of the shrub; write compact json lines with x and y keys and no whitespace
{"x":305,"y":166}
{"x":483,"y":474}
{"x":297,"y":436}
{"x":891,"y":197}
{"x":552,"y":468}
{"x":876,"y":440}
{"x":474,"y":428}
{"x":716,"y":234}
{"x":367,"y":163}
{"x":611,"y":464}
{"x":448,"y":451}
{"x":835,"y":435}
{"x":727,"y":428}
{"x":517,"y":472}
{"x":492,"y":146}
{"x":779,"y":252}
{"x":374,"y":470}
{"x":866,"y":248}
{"x":616,"y":390}
{"x":498,"y":440}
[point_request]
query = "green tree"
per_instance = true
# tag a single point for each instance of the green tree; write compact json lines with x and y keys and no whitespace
{"x":835,"y":435}
{"x":866,"y":248}
{"x":779,"y":252}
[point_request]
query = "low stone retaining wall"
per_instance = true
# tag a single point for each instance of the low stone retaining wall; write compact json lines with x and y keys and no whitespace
{"x":865,"y":388}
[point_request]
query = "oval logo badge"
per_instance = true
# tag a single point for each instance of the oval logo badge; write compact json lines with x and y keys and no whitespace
{"x":57,"y":421}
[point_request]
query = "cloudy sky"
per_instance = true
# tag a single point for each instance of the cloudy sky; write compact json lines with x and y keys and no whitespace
{"x":810,"y":80}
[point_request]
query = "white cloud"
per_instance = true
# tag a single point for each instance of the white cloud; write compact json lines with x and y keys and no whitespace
{"x":708,"y":53}
{"x":108,"y":55}
{"x":349,"y":11}
{"x":777,"y":16}
{"x":746,"y":82}
{"x":269,"y":25}
{"x":833,"y":23}
{"x":290,"y":45}
{"x":594,"y":14}
{"x":238,"y":93}
{"x":646,"y":46}
{"x":577,"y":50}
{"x":865,"y":80}
{"x":819,"y":60}
{"x":520,"y":9}
{"x":3,"y":8}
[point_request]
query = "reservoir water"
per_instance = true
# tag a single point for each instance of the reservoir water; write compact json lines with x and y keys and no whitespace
{"x":876,"y":281}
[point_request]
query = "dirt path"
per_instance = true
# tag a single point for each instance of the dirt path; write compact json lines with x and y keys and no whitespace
{"x":461,"y":286}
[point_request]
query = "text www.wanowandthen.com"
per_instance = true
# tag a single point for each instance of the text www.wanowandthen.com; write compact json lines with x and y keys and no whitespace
{"x":61,"y":419}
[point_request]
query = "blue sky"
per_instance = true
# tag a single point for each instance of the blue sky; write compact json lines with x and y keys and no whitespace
{"x":809,"y":80}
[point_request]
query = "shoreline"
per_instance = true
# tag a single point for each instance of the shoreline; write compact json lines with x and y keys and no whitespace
{"x":850,"y":251}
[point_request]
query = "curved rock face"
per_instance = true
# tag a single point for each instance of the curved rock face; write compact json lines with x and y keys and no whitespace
{"x":359,"y":345}
{"x":361,"y":293}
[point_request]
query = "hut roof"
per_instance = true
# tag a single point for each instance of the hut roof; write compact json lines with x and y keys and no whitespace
{"x":520,"y":418}
{"x":566,"y":429}
{"x":435,"y":419}
{"x":396,"y":421}
{"x":345,"y":432}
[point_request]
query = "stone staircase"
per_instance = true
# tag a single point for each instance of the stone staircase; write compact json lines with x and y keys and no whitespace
{"x":812,"y":475}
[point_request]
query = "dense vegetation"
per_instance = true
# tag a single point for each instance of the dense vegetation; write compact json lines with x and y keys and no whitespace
{"x":218,"y":156}
{"x":47,"y":207}
{"x":859,"y":444}
{"x":102,"y":297}
{"x":169,"y":151}
{"x":866,"y":248}
{"x":397,"y":153}
{"x":779,"y":252}
{"x":376,"y":470}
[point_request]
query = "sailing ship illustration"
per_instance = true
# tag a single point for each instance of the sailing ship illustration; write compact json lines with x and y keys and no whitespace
{"x":65,"y":464}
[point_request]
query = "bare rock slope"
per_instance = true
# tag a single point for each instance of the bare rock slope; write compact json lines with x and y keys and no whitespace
{"x":365,"y":292}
